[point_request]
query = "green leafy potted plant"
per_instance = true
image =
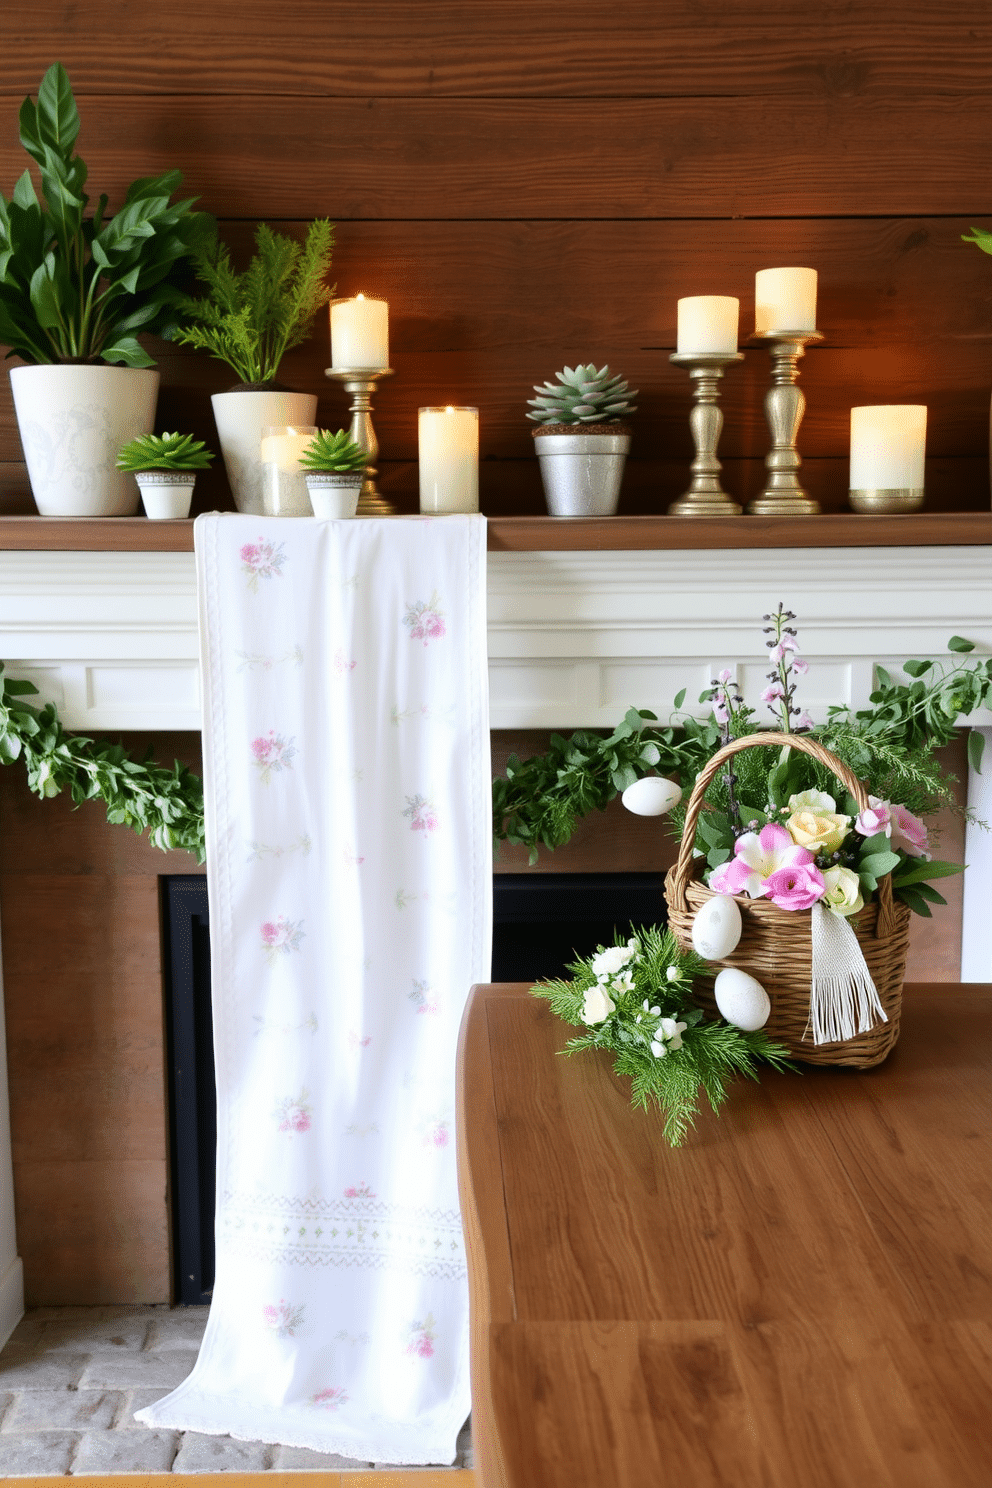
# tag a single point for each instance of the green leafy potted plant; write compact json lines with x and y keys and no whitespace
{"x":335,"y":468}
{"x":76,"y":291}
{"x":165,"y":466}
{"x":582,"y":439}
{"x":250,"y":320}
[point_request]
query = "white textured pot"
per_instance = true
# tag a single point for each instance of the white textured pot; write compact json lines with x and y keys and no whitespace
{"x":166,"y":495}
{"x":334,"y":493}
{"x":581,"y":471}
{"x":240,"y":419}
{"x":72,"y":421}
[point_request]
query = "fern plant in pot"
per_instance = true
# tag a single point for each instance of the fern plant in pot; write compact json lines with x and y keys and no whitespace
{"x":76,"y":292}
{"x":582,"y":439}
{"x":250,"y":320}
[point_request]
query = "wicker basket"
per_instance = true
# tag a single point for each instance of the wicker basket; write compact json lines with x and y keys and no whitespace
{"x":775,"y":943}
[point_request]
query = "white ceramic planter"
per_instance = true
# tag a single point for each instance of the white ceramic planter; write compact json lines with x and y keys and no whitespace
{"x":166,"y":495}
{"x":72,"y":422}
{"x":334,"y":494}
{"x":240,"y":419}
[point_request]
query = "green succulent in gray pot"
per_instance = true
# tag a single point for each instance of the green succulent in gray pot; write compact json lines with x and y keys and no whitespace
{"x":77,"y":291}
{"x":582,"y":439}
{"x":334,"y":467}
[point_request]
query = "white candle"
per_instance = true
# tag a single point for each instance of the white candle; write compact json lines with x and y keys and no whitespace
{"x":449,"y":459}
{"x":359,"y":333}
{"x":708,"y":323}
{"x":285,"y":448}
{"x":784,"y":300}
{"x":888,"y":447}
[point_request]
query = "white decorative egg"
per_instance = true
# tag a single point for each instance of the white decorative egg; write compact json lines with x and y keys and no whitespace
{"x":651,"y":796}
{"x":741,"y":999}
{"x":716,"y":928}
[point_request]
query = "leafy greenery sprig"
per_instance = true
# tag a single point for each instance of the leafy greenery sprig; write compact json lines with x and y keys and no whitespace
{"x":78,"y":288}
{"x":636,"y":1002}
{"x":163,"y":452}
{"x":167,"y":804}
{"x":251,"y":320}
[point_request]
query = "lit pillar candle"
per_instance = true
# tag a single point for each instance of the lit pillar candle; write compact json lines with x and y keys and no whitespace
{"x":285,"y":448}
{"x":708,"y":324}
{"x":784,"y":300}
{"x":449,"y":459}
{"x":888,"y":447}
{"x":359,"y":333}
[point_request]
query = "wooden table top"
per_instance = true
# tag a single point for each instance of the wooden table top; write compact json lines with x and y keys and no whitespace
{"x":797,"y":1298}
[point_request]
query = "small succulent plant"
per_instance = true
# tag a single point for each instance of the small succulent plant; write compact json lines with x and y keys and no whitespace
{"x":329,"y":452}
{"x":163,"y":452}
{"x":582,"y":395}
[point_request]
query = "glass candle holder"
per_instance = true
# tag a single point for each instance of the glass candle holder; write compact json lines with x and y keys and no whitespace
{"x":284,"y":487}
{"x":449,"y":459}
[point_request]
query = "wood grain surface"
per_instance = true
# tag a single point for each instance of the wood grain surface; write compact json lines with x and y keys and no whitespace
{"x":802,"y":1294}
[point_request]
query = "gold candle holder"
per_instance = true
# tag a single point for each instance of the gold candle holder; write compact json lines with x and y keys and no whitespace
{"x":705,"y":496}
{"x":360,"y":382}
{"x":785,"y":405}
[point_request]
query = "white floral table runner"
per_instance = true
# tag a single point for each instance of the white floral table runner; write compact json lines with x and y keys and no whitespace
{"x":347,"y":779}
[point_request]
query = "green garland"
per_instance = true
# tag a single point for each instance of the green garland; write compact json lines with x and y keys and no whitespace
{"x":539,"y":801}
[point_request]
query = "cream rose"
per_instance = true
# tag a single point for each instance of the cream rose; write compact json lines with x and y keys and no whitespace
{"x":843,"y":893}
{"x":597,"y":1006}
{"x":818,"y":829}
{"x":812,"y":800}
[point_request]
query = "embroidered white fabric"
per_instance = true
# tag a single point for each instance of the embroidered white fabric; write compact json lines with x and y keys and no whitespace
{"x":348,"y":811}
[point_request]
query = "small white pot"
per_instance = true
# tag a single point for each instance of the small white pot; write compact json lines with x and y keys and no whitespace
{"x":166,"y":495}
{"x":334,"y":494}
{"x":240,"y":419}
{"x":72,"y":421}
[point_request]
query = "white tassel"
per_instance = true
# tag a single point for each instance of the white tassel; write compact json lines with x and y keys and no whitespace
{"x":843,"y":998}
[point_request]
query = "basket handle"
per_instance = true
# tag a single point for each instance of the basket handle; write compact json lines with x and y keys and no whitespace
{"x":885,"y":923}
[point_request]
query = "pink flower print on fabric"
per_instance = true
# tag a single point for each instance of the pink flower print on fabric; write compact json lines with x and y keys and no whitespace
{"x":280,"y":937}
{"x":359,"y":1191}
{"x":436,"y":1132}
{"x":422,"y":1337}
{"x":271,"y":754}
{"x":282,"y":1319}
{"x":261,"y":560}
{"x":294,"y":1115}
{"x":354,"y":1042}
{"x":341,"y":663}
{"x":423,"y":997}
{"x":756,"y":855}
{"x":422,"y":814}
{"x":425,"y":620}
{"x":330,"y":1398}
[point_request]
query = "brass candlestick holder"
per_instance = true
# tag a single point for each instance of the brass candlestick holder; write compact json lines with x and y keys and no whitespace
{"x":705,"y":496}
{"x":360,"y":383}
{"x":785,"y":405}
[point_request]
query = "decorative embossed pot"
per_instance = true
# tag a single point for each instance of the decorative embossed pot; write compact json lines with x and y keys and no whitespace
{"x":582,"y":467}
{"x":73,"y":419}
{"x":241,"y":417}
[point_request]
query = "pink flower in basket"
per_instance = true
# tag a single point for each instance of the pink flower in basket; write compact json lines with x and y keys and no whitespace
{"x":908,"y":832}
{"x":797,"y":886}
{"x":757,"y":855}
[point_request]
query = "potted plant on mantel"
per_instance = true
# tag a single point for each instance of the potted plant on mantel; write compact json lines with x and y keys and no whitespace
{"x":75,"y":292}
{"x":582,"y":441}
{"x":165,"y":466}
{"x":249,"y":321}
{"x":334,"y":468}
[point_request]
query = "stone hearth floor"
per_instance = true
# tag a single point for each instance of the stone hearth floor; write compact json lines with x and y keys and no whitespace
{"x":71,"y":1379}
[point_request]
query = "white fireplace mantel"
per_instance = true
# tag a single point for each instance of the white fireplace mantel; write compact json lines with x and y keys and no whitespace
{"x":575,"y":638}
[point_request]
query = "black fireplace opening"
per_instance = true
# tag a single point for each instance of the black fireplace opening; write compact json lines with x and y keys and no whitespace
{"x":541,"y":923}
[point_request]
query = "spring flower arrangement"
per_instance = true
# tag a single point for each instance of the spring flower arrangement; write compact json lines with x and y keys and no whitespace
{"x":635,"y":1000}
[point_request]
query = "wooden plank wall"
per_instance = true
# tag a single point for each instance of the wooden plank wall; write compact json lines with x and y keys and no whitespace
{"x":527,"y":186}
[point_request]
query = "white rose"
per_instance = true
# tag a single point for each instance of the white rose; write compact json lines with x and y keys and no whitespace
{"x":612,"y":960}
{"x":812,"y":800}
{"x":597,"y":1005}
{"x":843,"y":893}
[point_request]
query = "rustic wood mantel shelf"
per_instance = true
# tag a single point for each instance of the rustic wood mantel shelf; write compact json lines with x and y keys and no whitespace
{"x":548,"y":534}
